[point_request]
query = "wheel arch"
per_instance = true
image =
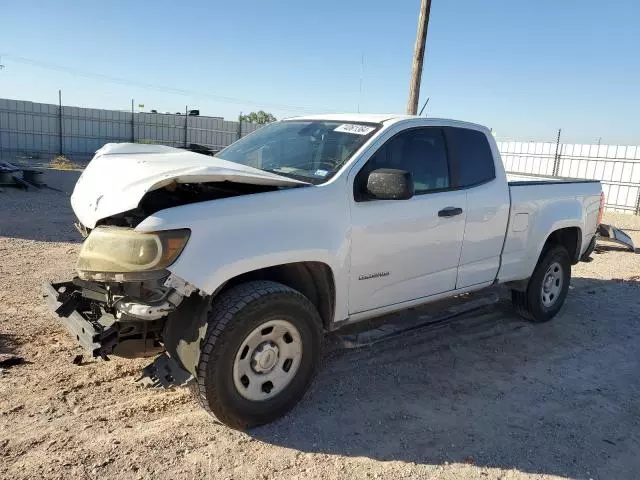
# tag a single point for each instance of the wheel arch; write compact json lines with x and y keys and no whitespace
{"x":567,"y":237}
{"x":185,"y":327}
{"x":315,"y":280}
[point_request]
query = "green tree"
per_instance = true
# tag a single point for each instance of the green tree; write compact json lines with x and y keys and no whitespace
{"x":260,"y":117}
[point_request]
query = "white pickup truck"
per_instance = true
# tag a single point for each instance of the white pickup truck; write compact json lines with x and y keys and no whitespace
{"x":235,"y":266}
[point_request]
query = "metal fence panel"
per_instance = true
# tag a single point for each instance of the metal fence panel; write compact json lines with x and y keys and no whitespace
{"x":30,"y":132}
{"x":616,"y":166}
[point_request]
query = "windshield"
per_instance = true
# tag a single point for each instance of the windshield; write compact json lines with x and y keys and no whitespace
{"x":308,"y":150}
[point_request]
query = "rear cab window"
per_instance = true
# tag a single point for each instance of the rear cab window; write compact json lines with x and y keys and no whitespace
{"x":473,"y":156}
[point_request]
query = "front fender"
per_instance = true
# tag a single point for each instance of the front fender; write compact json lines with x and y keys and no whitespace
{"x":237,"y":235}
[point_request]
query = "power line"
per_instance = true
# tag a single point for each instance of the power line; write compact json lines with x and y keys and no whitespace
{"x":151,"y":86}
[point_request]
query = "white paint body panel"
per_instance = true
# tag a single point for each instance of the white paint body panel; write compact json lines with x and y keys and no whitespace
{"x":404,"y":240}
{"x":539,"y":212}
{"x":120,"y":174}
{"x":236,"y":235}
{"x":427,"y":257}
{"x":487,"y":218}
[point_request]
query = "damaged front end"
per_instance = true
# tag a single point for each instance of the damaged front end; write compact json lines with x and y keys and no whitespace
{"x":119,"y":302}
{"x":125,"y":319}
{"x":125,"y":300}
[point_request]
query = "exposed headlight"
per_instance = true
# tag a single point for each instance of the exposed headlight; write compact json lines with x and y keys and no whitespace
{"x":114,"y":249}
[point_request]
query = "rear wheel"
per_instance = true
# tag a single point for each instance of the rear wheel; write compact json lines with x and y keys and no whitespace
{"x":547,"y":288}
{"x":261,"y":351}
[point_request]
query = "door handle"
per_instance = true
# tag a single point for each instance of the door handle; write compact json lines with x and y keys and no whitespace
{"x":450,"y":212}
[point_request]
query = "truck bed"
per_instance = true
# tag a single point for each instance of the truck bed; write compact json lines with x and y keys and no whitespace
{"x":537,"y":202}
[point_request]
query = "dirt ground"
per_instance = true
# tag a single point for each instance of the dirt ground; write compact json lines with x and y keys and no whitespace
{"x":487,"y":397}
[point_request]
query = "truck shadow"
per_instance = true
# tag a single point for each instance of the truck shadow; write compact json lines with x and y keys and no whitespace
{"x":554,"y":398}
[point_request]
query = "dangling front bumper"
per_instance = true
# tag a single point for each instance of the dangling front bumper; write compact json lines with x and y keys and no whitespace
{"x":80,"y":307}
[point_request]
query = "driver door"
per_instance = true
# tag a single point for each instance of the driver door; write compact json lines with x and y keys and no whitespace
{"x":406,"y":249}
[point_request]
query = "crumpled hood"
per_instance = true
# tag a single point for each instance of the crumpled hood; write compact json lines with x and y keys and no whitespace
{"x":120,"y":174}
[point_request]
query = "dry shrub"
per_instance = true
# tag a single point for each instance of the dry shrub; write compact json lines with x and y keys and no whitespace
{"x":61,"y":162}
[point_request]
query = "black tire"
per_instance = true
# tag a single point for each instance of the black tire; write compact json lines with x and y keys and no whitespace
{"x":234,"y":315}
{"x":529,"y":304}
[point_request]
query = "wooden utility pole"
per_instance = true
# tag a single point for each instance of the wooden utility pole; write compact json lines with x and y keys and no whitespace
{"x":418,"y":57}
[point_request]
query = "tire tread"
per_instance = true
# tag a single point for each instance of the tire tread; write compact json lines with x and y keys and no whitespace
{"x":220,"y":321}
{"x":526,"y":304}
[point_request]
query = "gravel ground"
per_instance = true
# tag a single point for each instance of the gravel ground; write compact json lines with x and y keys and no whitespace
{"x":487,"y":397}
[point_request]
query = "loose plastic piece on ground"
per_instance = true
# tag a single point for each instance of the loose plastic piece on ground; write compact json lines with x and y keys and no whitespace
{"x":7,"y":361}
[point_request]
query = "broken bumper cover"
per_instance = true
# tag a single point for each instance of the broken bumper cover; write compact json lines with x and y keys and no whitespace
{"x":101,"y":334}
{"x":165,"y":372}
{"x":98,"y":337}
{"x":615,"y":235}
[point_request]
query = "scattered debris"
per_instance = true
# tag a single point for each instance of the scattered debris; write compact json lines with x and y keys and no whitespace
{"x":34,"y":177}
{"x":164,"y":372}
{"x":469,"y":460}
{"x":6,"y":174}
{"x":14,"y":409}
{"x":615,"y":235}
{"x":608,"y":441}
{"x":7,"y":361}
{"x":31,"y":178}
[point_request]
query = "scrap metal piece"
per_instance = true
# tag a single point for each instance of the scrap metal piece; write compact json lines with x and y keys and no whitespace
{"x":615,"y":235}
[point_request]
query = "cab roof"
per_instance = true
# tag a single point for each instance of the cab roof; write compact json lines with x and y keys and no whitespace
{"x":386,"y":118}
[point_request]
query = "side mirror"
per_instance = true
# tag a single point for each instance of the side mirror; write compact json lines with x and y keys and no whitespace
{"x":390,"y":184}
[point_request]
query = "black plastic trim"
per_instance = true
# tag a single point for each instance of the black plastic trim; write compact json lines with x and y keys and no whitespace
{"x":87,"y":335}
{"x":524,"y":183}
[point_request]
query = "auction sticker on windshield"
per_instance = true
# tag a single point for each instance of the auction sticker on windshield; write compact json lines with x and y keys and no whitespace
{"x":357,"y":129}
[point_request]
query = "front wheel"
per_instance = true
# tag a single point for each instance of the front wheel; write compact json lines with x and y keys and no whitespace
{"x":547,"y":288}
{"x":261,"y":351}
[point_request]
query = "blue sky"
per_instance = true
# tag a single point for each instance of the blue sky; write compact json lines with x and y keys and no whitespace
{"x":523,"y":68}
